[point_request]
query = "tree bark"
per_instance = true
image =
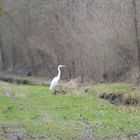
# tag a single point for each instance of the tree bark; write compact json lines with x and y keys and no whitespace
{"x":136,"y":33}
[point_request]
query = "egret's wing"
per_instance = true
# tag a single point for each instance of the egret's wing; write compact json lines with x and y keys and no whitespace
{"x":54,"y":83}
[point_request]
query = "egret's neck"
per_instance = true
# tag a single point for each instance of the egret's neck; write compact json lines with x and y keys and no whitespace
{"x":59,"y":72}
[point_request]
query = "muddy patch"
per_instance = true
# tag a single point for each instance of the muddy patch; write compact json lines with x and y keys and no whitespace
{"x":12,"y":133}
{"x":47,"y":119}
{"x":13,"y":95}
{"x":9,"y":93}
{"x":9,"y":132}
{"x":131,"y":136}
{"x":90,"y":134}
{"x":120,"y":98}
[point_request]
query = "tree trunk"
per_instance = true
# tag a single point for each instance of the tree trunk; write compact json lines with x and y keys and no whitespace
{"x":136,"y":33}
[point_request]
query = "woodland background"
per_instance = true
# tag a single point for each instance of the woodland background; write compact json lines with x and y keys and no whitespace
{"x":98,"y":40}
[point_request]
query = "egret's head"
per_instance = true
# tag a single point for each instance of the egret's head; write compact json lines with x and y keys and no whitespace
{"x":61,"y":66}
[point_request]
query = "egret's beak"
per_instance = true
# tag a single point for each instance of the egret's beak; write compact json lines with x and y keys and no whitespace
{"x":63,"y":65}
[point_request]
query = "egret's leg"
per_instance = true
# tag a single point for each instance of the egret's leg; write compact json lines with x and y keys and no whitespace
{"x":54,"y":92}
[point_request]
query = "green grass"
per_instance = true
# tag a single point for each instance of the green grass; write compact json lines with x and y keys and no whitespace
{"x":39,"y":114}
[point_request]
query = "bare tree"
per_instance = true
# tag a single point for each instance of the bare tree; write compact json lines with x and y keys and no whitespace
{"x":136,"y":32}
{"x":93,"y":38}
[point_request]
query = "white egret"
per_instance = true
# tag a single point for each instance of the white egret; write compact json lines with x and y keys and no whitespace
{"x":56,"y":79}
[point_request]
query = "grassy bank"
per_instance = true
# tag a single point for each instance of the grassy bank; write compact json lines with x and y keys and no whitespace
{"x":32,"y":112}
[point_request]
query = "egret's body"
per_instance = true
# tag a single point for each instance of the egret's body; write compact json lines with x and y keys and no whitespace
{"x":54,"y":83}
{"x":56,"y":79}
